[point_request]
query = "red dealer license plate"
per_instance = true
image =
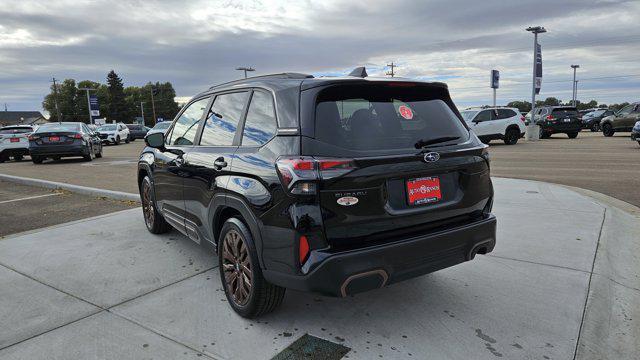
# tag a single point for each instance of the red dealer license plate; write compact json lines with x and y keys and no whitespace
{"x":15,"y":140}
{"x":424,"y":190}
{"x":54,"y":138}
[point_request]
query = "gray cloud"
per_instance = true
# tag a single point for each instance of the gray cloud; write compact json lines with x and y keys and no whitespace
{"x":200,"y":44}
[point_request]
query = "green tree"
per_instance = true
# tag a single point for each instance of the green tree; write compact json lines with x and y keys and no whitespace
{"x":551,"y":101}
{"x":117,"y":103}
{"x":523,"y":106}
{"x":67,"y":101}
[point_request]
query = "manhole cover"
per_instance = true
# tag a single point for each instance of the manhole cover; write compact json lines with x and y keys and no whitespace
{"x":311,"y":347}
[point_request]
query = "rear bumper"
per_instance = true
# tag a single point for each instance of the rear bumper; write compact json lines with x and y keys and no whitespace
{"x":14,"y":151}
{"x":59,"y":150}
{"x":361,"y":270}
{"x":561,"y":127}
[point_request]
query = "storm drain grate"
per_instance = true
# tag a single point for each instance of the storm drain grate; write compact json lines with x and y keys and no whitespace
{"x":312,"y":348}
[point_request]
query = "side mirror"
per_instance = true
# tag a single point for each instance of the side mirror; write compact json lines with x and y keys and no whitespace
{"x":155,"y":140}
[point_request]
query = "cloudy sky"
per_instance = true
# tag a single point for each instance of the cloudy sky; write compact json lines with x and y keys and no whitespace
{"x":199,"y":44}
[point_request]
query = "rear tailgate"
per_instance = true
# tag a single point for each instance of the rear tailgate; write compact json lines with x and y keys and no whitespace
{"x":388,"y":191}
{"x":395,"y":190}
{"x":566,"y":119}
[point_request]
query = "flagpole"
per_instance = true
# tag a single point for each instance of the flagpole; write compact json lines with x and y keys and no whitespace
{"x":533,"y":130}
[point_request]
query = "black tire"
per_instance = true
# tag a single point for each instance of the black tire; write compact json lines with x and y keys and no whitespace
{"x":544,"y":134}
{"x":18,"y":158}
{"x":572,"y":135}
{"x":156,"y":224}
{"x":56,"y":158}
{"x":511,"y":136}
{"x":89,"y":156}
{"x":595,"y":127}
{"x":37,"y":159}
{"x":2,"y":159}
{"x":261,"y":297}
{"x":607,"y":130}
{"x":117,"y":140}
{"x":126,"y":141}
{"x":99,"y":153}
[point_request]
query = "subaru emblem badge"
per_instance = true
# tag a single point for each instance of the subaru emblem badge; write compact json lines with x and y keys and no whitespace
{"x":431,"y":157}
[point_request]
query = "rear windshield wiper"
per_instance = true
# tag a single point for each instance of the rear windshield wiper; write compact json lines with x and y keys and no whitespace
{"x":424,"y":143}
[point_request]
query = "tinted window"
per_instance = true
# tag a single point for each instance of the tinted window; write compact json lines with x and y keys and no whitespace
{"x":485,"y":115}
{"x":223,"y":118}
{"x":186,"y":126}
{"x":380,"y":117}
{"x":260,"y":125}
{"x":16,"y":130}
{"x":506,"y":113}
{"x":106,"y":128}
{"x":58,"y":127}
{"x":564,"y":112}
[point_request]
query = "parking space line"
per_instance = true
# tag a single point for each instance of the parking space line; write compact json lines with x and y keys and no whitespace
{"x":29,"y":198}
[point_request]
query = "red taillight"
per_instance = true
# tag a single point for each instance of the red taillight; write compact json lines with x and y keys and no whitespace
{"x":299,"y":174}
{"x":77,"y":136}
{"x":303,"y":251}
{"x":550,"y":118}
{"x":522,"y":118}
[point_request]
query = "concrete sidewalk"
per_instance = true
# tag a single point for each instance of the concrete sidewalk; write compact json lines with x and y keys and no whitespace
{"x":562,"y":280}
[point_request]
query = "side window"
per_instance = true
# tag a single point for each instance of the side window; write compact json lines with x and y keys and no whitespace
{"x":186,"y":126}
{"x":505,"y":113}
{"x":223,"y":118}
{"x":626,"y":110}
{"x":260,"y":125}
{"x":484,"y":115}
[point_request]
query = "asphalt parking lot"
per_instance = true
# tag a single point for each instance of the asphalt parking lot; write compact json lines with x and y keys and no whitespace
{"x":106,"y":288}
{"x":43,"y":207}
{"x":116,"y":170}
{"x":606,"y":165}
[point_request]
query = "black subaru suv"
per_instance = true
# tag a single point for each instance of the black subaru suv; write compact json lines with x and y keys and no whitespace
{"x":558,"y":119}
{"x":330,"y":185}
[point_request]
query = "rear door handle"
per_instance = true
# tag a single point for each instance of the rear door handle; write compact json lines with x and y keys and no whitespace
{"x":219,"y":163}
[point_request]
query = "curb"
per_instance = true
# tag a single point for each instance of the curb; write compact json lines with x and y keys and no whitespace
{"x":84,"y":190}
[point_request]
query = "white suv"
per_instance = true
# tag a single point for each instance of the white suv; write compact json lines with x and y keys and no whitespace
{"x":14,"y":141}
{"x":493,"y":123}
{"x":114,"y":133}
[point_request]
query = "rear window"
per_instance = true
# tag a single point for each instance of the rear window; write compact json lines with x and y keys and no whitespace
{"x":560,"y":112}
{"x":58,"y":127}
{"x":16,"y":130}
{"x":382,"y":117}
{"x":134,"y":127}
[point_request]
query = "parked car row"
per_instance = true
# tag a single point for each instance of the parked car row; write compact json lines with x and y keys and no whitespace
{"x":64,"y":139}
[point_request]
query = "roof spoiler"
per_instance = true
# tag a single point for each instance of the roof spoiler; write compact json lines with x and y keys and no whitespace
{"x":360,"y":72}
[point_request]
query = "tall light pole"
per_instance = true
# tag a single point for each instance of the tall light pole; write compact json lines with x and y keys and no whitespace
{"x":393,"y":66}
{"x":533,"y":131}
{"x":574,"y":96}
{"x":89,"y":102}
{"x":142,"y":111}
{"x":245,"y":69}
{"x":153,"y":106}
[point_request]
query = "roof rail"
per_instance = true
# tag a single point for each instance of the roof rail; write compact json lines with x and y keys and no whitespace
{"x":286,"y":75}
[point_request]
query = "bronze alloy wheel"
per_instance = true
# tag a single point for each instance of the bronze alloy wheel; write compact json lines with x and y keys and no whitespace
{"x":236,"y":264}
{"x":147,"y":205}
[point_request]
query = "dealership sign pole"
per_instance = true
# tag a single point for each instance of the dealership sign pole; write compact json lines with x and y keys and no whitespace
{"x":495,"y":83}
{"x":92,"y":104}
{"x":533,"y":131}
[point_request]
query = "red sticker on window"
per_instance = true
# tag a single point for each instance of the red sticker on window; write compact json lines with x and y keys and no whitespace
{"x":405,"y":112}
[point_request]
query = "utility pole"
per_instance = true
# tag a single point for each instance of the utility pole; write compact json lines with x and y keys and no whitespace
{"x":574,"y":95}
{"x":55,"y":99}
{"x":392,"y":73}
{"x":142,"y":111}
{"x":245,"y":69}
{"x":5,"y":107}
{"x":153,"y":107}
{"x":533,"y":131}
{"x":89,"y":102}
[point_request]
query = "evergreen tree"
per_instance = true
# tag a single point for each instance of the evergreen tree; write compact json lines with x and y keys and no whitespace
{"x":117,"y":103}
